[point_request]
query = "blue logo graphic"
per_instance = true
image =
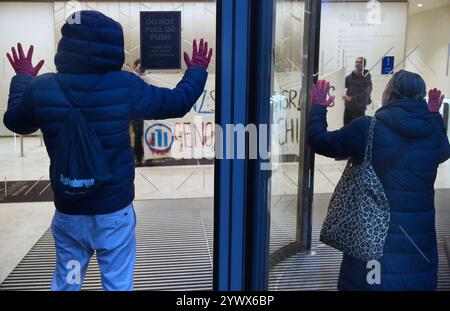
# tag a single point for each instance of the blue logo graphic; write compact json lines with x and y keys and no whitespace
{"x":159,"y":137}
{"x":387,"y":66}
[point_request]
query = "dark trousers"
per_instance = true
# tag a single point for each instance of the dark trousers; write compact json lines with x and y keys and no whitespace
{"x":138,"y":129}
{"x":350,"y":115}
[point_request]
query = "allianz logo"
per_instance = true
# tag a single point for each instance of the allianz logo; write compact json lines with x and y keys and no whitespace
{"x":159,"y":137}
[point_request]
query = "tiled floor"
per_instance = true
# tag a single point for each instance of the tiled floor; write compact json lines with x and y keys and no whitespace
{"x":174,"y":250}
{"x":319,"y":268}
{"x":21,"y":225}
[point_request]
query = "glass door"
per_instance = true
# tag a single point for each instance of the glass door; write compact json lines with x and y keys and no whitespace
{"x":293,"y":73}
{"x":285,"y":115}
{"x":262,"y":203}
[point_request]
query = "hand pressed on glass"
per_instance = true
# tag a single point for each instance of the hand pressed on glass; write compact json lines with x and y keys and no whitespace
{"x":200,"y":57}
{"x":435,"y":100}
{"x":22,"y":64}
{"x":320,"y":93}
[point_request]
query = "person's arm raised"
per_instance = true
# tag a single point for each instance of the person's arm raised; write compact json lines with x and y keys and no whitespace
{"x":435,"y":101}
{"x":151,"y":102}
{"x":348,"y":141}
{"x":18,"y":116}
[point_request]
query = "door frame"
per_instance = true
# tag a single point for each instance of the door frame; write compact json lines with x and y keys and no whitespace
{"x":305,"y":189}
{"x":245,"y":36}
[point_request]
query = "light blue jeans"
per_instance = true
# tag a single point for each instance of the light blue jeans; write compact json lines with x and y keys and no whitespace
{"x":111,"y":236}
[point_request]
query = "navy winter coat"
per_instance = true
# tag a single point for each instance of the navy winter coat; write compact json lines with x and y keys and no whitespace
{"x":410,"y":259}
{"x":89,"y":61}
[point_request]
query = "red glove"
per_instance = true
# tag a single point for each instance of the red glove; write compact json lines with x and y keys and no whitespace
{"x":201,"y":57}
{"x":23,"y":65}
{"x":320,"y":93}
{"x":435,"y":100}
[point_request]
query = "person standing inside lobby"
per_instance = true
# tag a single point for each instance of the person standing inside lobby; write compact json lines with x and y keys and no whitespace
{"x":138,"y":124}
{"x":359,"y":89}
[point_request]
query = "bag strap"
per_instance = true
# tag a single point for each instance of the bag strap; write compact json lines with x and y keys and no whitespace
{"x":395,"y":159}
{"x":398,"y":156}
{"x":368,"y":153}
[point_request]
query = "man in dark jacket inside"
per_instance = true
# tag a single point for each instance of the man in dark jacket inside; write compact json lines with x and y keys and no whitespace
{"x":359,"y":88}
{"x":89,"y":61}
{"x":138,"y":125}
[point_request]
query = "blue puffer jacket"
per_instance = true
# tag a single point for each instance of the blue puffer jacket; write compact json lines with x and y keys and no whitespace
{"x":410,"y":259}
{"x":89,"y":61}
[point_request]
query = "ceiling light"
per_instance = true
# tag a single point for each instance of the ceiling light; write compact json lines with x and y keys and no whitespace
{"x":420,"y":5}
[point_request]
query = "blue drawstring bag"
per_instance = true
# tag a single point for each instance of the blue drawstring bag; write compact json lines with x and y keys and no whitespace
{"x":79,"y":166}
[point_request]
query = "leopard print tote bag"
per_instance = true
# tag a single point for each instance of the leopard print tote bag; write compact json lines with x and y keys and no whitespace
{"x":357,"y":222}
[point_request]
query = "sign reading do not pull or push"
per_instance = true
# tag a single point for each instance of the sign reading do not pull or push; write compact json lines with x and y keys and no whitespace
{"x":161,"y":40}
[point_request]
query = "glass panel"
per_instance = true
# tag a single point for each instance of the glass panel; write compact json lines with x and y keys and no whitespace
{"x":349,"y":30}
{"x":174,"y":185}
{"x":287,"y":80}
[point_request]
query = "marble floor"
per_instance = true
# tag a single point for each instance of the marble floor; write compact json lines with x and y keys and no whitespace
{"x":190,"y":181}
{"x":175,"y":249}
{"x":22,"y":224}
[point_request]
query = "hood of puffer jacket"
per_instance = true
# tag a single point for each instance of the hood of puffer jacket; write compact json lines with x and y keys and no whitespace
{"x":91,"y":43}
{"x":408,"y":117}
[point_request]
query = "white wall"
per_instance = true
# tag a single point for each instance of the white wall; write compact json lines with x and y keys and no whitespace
{"x":350,"y":30}
{"x":431,"y":32}
{"x":28,"y":23}
{"x":198,"y":19}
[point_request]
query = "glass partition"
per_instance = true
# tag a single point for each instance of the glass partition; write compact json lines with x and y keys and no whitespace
{"x":285,"y":113}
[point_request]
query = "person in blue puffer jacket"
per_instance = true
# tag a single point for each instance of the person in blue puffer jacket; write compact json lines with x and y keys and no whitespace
{"x":89,"y":60}
{"x":405,"y":121}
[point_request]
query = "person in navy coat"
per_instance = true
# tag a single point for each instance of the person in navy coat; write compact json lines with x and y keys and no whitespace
{"x":89,"y":60}
{"x":404,"y":122}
